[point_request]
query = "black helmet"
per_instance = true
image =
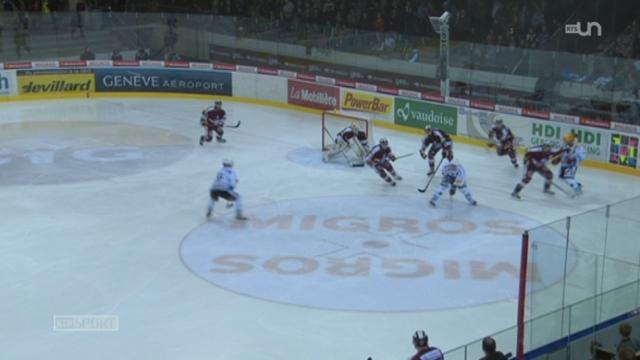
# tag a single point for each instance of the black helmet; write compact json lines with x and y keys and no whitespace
{"x":488,"y":344}
{"x":420,"y":339}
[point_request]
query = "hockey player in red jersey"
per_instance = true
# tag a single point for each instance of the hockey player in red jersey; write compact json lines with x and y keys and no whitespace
{"x":503,"y":141}
{"x":438,"y":140}
{"x":535,"y":161}
{"x":380,"y":159}
{"x":212,"y":119}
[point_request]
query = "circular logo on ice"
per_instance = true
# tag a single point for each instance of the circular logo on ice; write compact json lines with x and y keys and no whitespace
{"x":364,"y":254}
{"x":63,"y":152}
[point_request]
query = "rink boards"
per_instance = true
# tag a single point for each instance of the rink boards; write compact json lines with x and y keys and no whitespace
{"x":609,"y":145}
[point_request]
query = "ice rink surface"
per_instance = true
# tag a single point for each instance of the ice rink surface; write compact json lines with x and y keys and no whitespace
{"x":103,"y":202}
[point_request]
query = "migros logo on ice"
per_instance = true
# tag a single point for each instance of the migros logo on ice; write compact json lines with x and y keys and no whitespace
{"x":359,"y":101}
{"x":55,"y":84}
{"x":377,"y":254}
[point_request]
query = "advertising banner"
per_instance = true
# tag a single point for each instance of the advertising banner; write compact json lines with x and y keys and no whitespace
{"x":163,"y":80}
{"x":530,"y":132}
{"x":419,"y":114}
{"x":55,"y":82}
{"x":624,"y":150}
{"x":595,"y":141}
{"x":313,"y":95}
{"x":8,"y":85}
{"x":366,"y":102}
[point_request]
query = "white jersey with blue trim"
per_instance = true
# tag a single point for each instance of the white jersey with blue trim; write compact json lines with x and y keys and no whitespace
{"x":226,"y":180}
{"x":573,"y":156}
{"x":454,"y":173}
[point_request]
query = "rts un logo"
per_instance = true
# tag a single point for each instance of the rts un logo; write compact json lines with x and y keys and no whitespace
{"x":576,"y":28}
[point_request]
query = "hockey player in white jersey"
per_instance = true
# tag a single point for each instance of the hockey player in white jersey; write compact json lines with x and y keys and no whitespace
{"x":352,"y":140}
{"x":573,"y":154}
{"x":453,"y":178}
{"x":224,"y":187}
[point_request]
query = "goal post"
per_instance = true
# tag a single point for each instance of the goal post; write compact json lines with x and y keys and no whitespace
{"x":335,"y":121}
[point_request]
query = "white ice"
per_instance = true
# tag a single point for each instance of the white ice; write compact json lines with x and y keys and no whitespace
{"x":112,"y":245}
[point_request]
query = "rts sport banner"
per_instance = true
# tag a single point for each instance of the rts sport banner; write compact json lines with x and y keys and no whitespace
{"x":55,"y":82}
{"x":313,"y":95}
{"x":366,"y":102}
{"x":8,"y":86}
{"x":529,"y":132}
{"x":419,"y":114}
{"x":164,"y":80}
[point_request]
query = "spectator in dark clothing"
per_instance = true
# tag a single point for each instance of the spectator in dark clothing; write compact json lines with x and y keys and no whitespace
{"x":142,"y":55}
{"x":489,"y":349}
{"x":626,"y":354}
{"x":78,"y":20}
{"x":116,"y":56}
{"x":626,"y":340}
{"x":87,"y":54}
{"x":21,"y":34}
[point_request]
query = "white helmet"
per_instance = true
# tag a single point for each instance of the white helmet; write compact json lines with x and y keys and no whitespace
{"x":217,"y":104}
{"x":428,"y":129}
{"x":384,"y":142}
{"x":354,"y":126}
{"x":227,"y":163}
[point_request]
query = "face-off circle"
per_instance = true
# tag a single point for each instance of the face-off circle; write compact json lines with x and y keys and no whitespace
{"x":34,"y":153}
{"x":384,"y":253}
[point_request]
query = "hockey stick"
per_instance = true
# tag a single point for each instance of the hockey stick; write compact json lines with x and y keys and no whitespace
{"x":432,"y":176}
{"x":403,"y":156}
{"x":235,"y":126}
{"x":563,"y":190}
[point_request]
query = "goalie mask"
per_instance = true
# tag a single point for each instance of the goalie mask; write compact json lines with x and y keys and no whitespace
{"x":355,"y":128}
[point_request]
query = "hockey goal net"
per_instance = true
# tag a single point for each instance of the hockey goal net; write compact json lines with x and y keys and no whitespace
{"x":333,"y":122}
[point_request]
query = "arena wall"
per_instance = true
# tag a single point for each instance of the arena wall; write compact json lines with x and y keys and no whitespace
{"x":611,"y":146}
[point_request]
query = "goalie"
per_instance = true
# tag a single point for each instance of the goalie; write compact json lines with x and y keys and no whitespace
{"x":351,"y":142}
